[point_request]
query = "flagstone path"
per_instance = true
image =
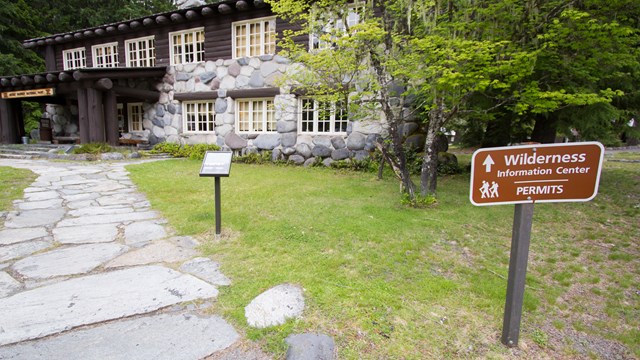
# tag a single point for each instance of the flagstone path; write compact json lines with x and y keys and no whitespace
{"x":89,"y":271}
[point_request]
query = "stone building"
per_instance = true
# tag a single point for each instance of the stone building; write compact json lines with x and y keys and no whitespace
{"x":204,"y":74}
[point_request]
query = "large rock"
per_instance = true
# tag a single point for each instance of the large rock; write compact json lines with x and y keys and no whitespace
{"x":140,"y":233}
{"x":286,"y":126}
{"x":310,"y":346}
{"x":87,"y":300}
{"x":235,"y":142}
{"x":338,"y":142}
{"x":274,"y":306}
{"x":267,"y":141}
{"x":296,"y":159}
{"x":415,"y":141}
{"x":289,"y":139}
{"x":321,"y":151}
{"x":356,"y":141}
{"x":340,"y":154}
{"x":322,"y":140}
{"x":304,"y":150}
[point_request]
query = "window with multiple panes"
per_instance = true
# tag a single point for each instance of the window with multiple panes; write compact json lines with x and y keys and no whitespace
{"x":135,"y":114}
{"x":141,"y":52}
{"x":74,"y":59}
{"x":198,"y":116}
{"x":255,"y":115}
{"x":105,"y":55}
{"x":254,"y":37}
{"x":187,"y":46}
{"x":322,"y":116}
{"x":335,"y":26}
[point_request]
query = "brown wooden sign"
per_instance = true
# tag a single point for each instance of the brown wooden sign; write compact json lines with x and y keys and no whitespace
{"x":27,"y":93}
{"x":536,"y":173}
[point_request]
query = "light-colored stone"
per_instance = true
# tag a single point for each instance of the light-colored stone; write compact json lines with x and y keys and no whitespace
{"x":206,"y":269}
{"x":140,"y":233}
{"x":12,"y":236}
{"x":42,"y":195}
{"x":33,"y":218}
{"x":86,"y":234}
{"x":165,"y":337}
{"x":274,"y":306}
{"x":157,"y":252}
{"x":310,"y":346}
{"x":67,"y":261}
{"x":100,"y":210}
{"x":19,"y":250}
{"x":107,"y":219}
{"x":92,"y":299}
{"x":8,"y":286}
{"x":44,"y":204}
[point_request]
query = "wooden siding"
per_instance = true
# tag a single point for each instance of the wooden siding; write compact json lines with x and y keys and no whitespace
{"x":218,"y":41}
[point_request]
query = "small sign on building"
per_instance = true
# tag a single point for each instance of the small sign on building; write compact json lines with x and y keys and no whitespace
{"x":27,"y":93}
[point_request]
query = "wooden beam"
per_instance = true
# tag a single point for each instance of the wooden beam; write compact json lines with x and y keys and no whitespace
{"x":83,"y":116}
{"x":88,"y":33}
{"x":91,"y":74}
{"x":111,"y":118}
{"x":52,"y":77}
{"x":39,"y":79}
{"x":96,"y":115}
{"x":148,"y":22}
{"x":207,"y":11}
{"x":103,"y":84}
{"x":26,"y":80}
{"x":250,"y":93}
{"x":68,"y":37}
{"x":135,"y":24}
{"x":50,"y":58}
{"x":64,"y":76}
{"x":100,"y":32}
{"x":177,"y":17}
{"x":123,"y":27}
{"x":162,"y":20}
{"x":225,"y":9}
{"x":148,"y":95}
{"x":5,"y":81}
{"x":202,"y":95}
{"x":8,"y":126}
{"x":242,"y":5}
{"x":191,"y":15}
{"x":15,"y":81}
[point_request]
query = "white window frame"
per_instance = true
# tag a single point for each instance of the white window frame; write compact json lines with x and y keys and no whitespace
{"x":266,"y":116}
{"x":209,"y":112}
{"x":353,"y":18}
{"x":266,"y":45}
{"x":143,"y":54}
{"x":74,"y":58}
{"x":135,"y":118}
{"x":108,"y":59}
{"x":316,"y":120}
{"x":182,"y":57}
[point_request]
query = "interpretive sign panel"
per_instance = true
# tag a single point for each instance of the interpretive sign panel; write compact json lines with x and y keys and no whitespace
{"x":536,"y":173}
{"x":216,"y":163}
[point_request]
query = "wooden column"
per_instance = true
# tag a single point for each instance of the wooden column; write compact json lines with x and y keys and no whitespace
{"x":83,"y":116}
{"x":8,"y":125}
{"x":96,"y":115}
{"x":111,"y":117}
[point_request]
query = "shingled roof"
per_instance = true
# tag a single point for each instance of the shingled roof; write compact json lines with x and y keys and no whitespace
{"x":223,"y":7}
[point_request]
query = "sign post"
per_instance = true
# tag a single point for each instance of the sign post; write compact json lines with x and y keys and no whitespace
{"x":524,"y":175}
{"x":217,"y":164}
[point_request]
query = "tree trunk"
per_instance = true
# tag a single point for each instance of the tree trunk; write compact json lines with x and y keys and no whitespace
{"x":545,"y":128}
{"x":429,"y":171}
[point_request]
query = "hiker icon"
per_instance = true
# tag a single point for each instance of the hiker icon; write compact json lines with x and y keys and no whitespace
{"x":489,"y":190}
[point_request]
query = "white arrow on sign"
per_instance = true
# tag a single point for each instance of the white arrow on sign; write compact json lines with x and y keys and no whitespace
{"x":487,"y":163}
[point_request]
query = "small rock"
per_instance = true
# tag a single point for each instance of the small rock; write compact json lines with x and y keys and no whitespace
{"x":310,"y":347}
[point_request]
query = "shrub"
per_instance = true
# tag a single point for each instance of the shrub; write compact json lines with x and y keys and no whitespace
{"x":254,"y":158}
{"x":194,"y":152}
{"x":93,"y":148}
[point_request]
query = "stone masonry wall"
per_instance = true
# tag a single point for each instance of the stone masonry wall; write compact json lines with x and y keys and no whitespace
{"x":164,"y":120}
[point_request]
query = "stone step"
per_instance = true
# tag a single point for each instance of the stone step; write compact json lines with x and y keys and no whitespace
{"x":15,"y":156}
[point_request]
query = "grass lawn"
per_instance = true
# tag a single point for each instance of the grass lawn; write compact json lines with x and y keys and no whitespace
{"x":391,"y":282}
{"x":12,"y":183}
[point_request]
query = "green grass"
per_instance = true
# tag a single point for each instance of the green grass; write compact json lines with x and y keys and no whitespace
{"x":388,"y":281}
{"x":12,"y":183}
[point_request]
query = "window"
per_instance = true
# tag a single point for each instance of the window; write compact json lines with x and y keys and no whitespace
{"x":255,"y":115}
{"x":254,"y":38}
{"x":199,"y":116}
{"x":335,"y":26}
{"x":323,"y":116}
{"x":135,"y":112}
{"x":187,"y":46}
{"x":105,"y":55}
{"x":141,"y":52}
{"x":74,"y":59}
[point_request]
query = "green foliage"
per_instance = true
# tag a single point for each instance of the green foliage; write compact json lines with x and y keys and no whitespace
{"x":254,"y":158}
{"x":12,"y":184}
{"x":194,"y":152}
{"x":364,"y":165}
{"x":419,"y":201}
{"x":93,"y":148}
{"x":540,"y":337}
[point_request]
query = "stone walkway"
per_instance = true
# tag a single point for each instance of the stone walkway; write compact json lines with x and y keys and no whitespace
{"x":89,"y":271}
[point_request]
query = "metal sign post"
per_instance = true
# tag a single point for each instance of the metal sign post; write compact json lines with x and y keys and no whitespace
{"x":217,"y":164}
{"x":524,"y":175}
